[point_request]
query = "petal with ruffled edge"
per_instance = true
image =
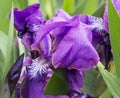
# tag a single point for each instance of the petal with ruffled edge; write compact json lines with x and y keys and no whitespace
{"x":75,"y":50}
{"x":20,"y":16}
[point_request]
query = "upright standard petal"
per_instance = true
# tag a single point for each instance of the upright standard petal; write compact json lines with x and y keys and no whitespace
{"x":28,"y":22}
{"x":20,"y":16}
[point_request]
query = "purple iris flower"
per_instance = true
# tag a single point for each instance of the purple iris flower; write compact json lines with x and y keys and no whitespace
{"x":37,"y":73}
{"x":72,"y":46}
{"x":116,"y":4}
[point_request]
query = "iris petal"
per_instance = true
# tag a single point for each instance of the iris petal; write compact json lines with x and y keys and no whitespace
{"x":75,"y":79}
{"x":75,"y":50}
{"x":20,"y":16}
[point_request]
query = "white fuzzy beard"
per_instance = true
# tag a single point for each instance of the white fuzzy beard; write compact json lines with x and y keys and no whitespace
{"x":97,"y":24}
{"x":38,"y":69}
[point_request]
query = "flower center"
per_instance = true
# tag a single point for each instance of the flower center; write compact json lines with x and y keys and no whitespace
{"x":38,"y":69}
{"x":97,"y":25}
{"x":33,"y":27}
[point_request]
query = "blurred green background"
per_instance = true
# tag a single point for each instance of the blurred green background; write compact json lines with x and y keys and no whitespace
{"x":48,"y":7}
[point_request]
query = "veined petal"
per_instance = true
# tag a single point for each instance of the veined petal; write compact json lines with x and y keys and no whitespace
{"x":95,"y":23}
{"x":97,"y":27}
{"x":33,"y":89}
{"x":75,"y":50}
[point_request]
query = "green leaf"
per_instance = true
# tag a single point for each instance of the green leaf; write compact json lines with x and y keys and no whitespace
{"x":1,"y":61}
{"x":54,"y":5}
{"x":68,"y":6}
{"x":90,"y":6}
{"x":42,"y":7}
{"x":20,"y":4}
{"x":114,"y":27}
{"x":89,"y":81}
{"x":48,"y":8}
{"x":5,"y":7}
{"x":4,"y":10}
{"x":10,"y":42}
{"x":30,"y":2}
{"x":1,"y":66}
{"x":111,"y":81}
{"x":106,"y":94}
{"x":3,"y":42}
{"x":99,"y":12}
{"x":57,"y":84}
{"x":4,"y":90}
{"x":80,"y":6}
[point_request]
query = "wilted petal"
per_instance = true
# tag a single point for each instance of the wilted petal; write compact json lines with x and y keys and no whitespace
{"x":75,"y":50}
{"x":75,"y":79}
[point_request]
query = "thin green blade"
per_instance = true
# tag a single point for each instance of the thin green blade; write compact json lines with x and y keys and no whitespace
{"x":111,"y":81}
{"x":114,"y":27}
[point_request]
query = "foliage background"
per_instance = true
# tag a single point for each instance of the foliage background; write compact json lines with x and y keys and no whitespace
{"x":9,"y":52}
